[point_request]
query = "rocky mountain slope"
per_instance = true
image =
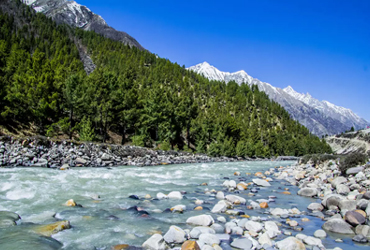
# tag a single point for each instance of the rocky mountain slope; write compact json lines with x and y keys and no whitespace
{"x":320,"y":117}
{"x":350,"y":142}
{"x":76,"y":15}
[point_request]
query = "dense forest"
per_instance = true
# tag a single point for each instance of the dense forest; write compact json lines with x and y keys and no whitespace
{"x":132,"y":95}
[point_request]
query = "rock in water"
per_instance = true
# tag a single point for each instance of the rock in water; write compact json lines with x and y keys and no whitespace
{"x":242,"y":243}
{"x":50,"y":229}
{"x":156,"y":242}
{"x":190,"y":245}
{"x":175,"y":195}
{"x":200,"y":220}
{"x":290,"y":243}
{"x":337,"y":226}
{"x":209,"y":239}
{"x":174,"y":235}
{"x":261,"y":182}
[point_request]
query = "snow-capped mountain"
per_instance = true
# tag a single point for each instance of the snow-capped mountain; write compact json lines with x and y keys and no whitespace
{"x":76,"y":15}
{"x":320,"y":117}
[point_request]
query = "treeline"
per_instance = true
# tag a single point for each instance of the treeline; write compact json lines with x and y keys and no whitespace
{"x":144,"y":99}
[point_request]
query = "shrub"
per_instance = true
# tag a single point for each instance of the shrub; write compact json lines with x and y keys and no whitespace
{"x":165,"y":146}
{"x":87,"y":132}
{"x":187,"y":149}
{"x":138,"y":140}
{"x":214,"y":149}
{"x":352,"y":160}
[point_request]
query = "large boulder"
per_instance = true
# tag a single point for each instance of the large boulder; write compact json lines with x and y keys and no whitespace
{"x":262,"y":183}
{"x":354,"y":218}
{"x":174,"y":235}
{"x":290,"y":243}
{"x":200,"y":220}
{"x":308,"y":192}
{"x":156,"y":242}
{"x":338,"y":226}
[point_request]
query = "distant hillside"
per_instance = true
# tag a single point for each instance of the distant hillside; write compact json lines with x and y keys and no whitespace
{"x":320,"y":117}
{"x":350,"y":142}
{"x":131,"y":96}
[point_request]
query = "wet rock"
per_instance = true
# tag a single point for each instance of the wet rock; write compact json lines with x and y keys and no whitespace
{"x":360,"y":239}
{"x":209,"y":239}
{"x":354,"y":218}
{"x":264,"y":239}
{"x":253,"y":226}
{"x":315,"y":207}
{"x":190,"y":245}
{"x":279,"y":212}
{"x":220,"y":207}
{"x":70,"y":203}
{"x":290,"y":243}
{"x":366,"y":196}
{"x":174,"y":235}
{"x":161,"y":196}
{"x":134,"y":197}
{"x":338,"y":226}
{"x":320,"y":233}
{"x":27,"y":241}
{"x":156,"y":242}
{"x":197,"y":231}
{"x":175,"y":195}
{"x":292,"y":223}
{"x":235,"y":199}
{"x":312,"y":241}
{"x":178,"y":208}
{"x":229,"y":184}
{"x":200,"y":220}
{"x":242,"y":243}
{"x":308,"y":192}
{"x":8,"y":219}
{"x":262,"y":183}
{"x":220,"y":195}
{"x":219,"y":229}
{"x":364,"y":230}
{"x":50,"y":229}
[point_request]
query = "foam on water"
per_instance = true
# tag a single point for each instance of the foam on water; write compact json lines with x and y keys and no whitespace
{"x":19,"y":194}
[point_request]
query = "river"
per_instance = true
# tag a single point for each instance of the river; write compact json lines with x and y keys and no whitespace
{"x":36,"y":194}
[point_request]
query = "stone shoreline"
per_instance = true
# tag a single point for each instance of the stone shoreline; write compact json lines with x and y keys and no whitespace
{"x":42,"y":152}
{"x":345,"y":207}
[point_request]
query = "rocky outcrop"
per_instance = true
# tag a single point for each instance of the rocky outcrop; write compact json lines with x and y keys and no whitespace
{"x":353,"y":142}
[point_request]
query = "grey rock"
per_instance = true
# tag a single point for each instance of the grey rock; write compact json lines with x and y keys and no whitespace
{"x":260,"y":182}
{"x":363,"y":229}
{"x":343,"y":189}
{"x":156,"y":242}
{"x":200,"y":220}
{"x":308,"y":192}
{"x":320,"y":233}
{"x":360,"y":239}
{"x":209,"y":239}
{"x":242,"y":243}
{"x":347,"y":205}
{"x":354,"y":218}
{"x":338,"y":226}
{"x":354,"y":170}
{"x":174,"y":235}
{"x":253,"y":226}
{"x":290,"y":243}
{"x":197,"y":231}
{"x":315,"y":207}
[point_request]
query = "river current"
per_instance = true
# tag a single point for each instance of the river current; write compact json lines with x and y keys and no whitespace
{"x":38,"y":196}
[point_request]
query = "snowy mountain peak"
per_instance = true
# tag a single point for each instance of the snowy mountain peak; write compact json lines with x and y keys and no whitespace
{"x":77,"y":15}
{"x":319,"y":117}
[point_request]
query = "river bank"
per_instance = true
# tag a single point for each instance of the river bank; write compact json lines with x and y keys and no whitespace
{"x":42,"y":152}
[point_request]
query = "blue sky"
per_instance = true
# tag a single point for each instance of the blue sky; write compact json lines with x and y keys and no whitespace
{"x":320,"y":47}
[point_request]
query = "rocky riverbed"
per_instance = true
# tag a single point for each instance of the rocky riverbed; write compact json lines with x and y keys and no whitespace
{"x":42,"y":152}
{"x":210,"y":206}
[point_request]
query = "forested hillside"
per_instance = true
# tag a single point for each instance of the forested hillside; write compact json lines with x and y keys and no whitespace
{"x":132,"y":94}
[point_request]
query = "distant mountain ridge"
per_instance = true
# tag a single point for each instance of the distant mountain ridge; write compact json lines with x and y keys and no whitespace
{"x":76,"y":15}
{"x":320,"y":117}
